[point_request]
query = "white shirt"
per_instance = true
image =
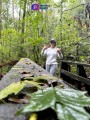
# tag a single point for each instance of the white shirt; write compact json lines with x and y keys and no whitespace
{"x":51,"y":55}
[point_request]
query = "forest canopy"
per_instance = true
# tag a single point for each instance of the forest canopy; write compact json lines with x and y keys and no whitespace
{"x":23,"y":31}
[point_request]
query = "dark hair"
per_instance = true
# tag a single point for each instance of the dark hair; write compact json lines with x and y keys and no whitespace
{"x":53,"y":42}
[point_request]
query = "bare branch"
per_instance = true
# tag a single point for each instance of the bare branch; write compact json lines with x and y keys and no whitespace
{"x":85,"y":37}
{"x":75,"y":7}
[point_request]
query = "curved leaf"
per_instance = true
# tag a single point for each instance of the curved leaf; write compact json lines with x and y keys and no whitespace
{"x":13,"y":88}
{"x":67,"y":103}
{"x":16,"y":88}
{"x":41,"y":100}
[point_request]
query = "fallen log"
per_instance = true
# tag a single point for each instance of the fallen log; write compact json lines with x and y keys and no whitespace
{"x":13,"y":62}
{"x":22,"y":69}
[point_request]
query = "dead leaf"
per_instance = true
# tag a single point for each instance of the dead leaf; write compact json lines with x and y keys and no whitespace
{"x":17,"y":100}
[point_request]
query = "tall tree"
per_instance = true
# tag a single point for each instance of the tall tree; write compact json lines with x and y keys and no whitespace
{"x":0,"y":17}
{"x":24,"y":4}
{"x":23,"y":19}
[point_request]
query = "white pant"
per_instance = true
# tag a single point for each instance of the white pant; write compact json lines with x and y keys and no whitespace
{"x":51,"y":69}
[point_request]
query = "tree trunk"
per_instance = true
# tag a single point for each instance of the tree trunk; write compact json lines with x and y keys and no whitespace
{"x":23,"y":28}
{"x":23,"y":23}
{"x":13,"y":9}
{"x":0,"y":17}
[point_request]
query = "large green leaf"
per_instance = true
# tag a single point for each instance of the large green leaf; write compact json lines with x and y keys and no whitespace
{"x":74,"y":97}
{"x":41,"y":100}
{"x":71,"y":105}
{"x":13,"y":88}
{"x":71,"y":113}
{"x":67,"y":103}
{"x":16,"y":88}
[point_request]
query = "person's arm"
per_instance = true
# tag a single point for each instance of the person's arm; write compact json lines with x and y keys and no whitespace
{"x":43,"y":51}
{"x":60,"y":55}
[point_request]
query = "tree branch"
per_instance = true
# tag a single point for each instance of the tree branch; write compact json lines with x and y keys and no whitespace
{"x":75,"y":7}
{"x":85,"y":37}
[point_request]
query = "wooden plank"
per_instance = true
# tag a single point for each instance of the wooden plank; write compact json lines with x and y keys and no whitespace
{"x":76,"y":77}
{"x":75,"y":63}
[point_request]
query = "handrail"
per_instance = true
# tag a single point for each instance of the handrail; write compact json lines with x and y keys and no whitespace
{"x":77,"y":79}
{"x":75,"y":63}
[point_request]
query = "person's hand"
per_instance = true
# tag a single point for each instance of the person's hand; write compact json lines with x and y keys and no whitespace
{"x":45,"y":47}
{"x":59,"y":50}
